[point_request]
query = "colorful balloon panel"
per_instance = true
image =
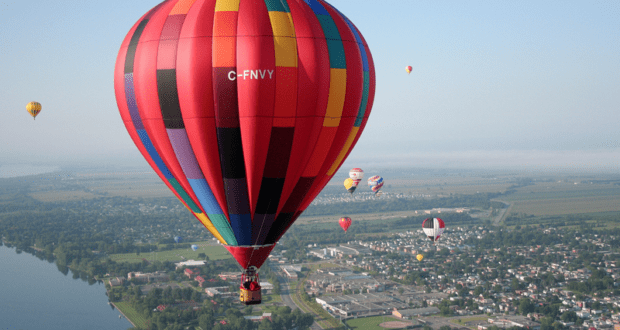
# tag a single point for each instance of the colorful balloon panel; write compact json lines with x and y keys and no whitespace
{"x":375,"y":182}
{"x":245,"y":109}
{"x":33,"y":109}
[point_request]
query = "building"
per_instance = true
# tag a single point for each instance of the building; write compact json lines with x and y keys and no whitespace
{"x":410,"y":314}
{"x":158,"y":276}
{"x":190,"y":263}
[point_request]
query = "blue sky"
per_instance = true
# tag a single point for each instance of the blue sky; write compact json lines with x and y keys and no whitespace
{"x":525,"y":84}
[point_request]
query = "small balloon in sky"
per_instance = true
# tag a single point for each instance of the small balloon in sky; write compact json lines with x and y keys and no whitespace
{"x":33,"y":109}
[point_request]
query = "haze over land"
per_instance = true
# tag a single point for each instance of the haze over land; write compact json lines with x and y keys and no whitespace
{"x":525,"y":85}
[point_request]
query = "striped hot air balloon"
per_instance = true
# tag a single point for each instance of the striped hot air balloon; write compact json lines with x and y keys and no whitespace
{"x":375,"y":182}
{"x":245,"y":109}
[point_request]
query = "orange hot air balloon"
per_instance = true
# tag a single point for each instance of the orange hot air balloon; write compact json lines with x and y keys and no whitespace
{"x":345,"y":223}
{"x":33,"y":109}
{"x":419,"y":257}
{"x":245,"y":109}
{"x":408,"y":69}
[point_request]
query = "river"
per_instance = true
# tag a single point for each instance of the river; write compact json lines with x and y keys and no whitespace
{"x":34,"y":294}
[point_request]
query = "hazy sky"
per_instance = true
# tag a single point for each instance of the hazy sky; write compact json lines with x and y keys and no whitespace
{"x":532,"y":84}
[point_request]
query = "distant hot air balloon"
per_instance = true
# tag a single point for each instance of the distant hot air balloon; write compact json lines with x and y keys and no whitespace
{"x":433,"y":228}
{"x":408,"y":69}
{"x":246,"y":110}
{"x":194,"y":247}
{"x":375,"y":182}
{"x":177,"y":239}
{"x":355,"y":176}
{"x":419,"y":257}
{"x":348,"y":185}
{"x":345,"y":223}
{"x":33,"y":109}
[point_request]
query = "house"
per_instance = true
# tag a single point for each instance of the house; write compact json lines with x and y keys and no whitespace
{"x":258,"y":318}
{"x":191,"y":273}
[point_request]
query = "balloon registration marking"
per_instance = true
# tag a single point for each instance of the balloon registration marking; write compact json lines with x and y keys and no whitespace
{"x":251,"y":74}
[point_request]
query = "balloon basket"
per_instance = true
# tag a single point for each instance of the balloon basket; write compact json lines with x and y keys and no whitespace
{"x":250,"y":290}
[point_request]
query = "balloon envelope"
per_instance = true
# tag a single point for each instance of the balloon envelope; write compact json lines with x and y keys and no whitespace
{"x":419,"y":257}
{"x":356,"y":174}
{"x":345,"y":223}
{"x":408,"y":69}
{"x":433,"y":228}
{"x":177,"y":239}
{"x":33,"y":109}
{"x":350,"y":185}
{"x":375,"y":182}
{"x":245,"y":109}
{"x":194,"y":247}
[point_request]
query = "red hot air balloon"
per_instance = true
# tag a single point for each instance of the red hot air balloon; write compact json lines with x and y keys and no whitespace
{"x":345,"y":223}
{"x":245,"y":109}
{"x":408,"y":69}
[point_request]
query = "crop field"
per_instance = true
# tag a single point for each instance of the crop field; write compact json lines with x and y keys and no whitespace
{"x":214,"y":252}
{"x":561,"y":198}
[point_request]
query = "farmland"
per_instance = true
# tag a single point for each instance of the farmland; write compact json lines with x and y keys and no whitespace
{"x":214,"y":252}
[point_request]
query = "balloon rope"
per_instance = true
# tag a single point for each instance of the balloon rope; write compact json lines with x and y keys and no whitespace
{"x":259,"y":232}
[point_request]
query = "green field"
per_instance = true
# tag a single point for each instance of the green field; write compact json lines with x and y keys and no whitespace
{"x":566,"y":197}
{"x":132,"y":315}
{"x":369,"y":323}
{"x":214,"y":252}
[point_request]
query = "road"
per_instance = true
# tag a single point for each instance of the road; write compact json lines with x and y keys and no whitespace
{"x":288,"y":301}
{"x":502,"y":213}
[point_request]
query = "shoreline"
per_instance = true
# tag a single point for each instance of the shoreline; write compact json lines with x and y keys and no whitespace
{"x":125,"y":316}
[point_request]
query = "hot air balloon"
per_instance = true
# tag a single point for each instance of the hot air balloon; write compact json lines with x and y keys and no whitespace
{"x":33,"y":109}
{"x":408,"y":69}
{"x":433,"y":228}
{"x":355,"y":176}
{"x":348,"y":185}
{"x":345,"y":223}
{"x":177,"y":239}
{"x":246,"y":110}
{"x":375,"y":182}
{"x":194,"y":247}
{"x":419,"y":257}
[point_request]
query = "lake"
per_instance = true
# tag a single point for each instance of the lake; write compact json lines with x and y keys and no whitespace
{"x":34,"y":294}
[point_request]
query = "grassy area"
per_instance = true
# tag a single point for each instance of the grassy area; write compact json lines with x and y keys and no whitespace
{"x":214,"y":252}
{"x":463,"y":321}
{"x":369,"y":323}
{"x":132,"y":315}
{"x":565,"y":197}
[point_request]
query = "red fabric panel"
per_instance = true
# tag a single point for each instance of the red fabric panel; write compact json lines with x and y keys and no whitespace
{"x":195,"y":86}
{"x":313,"y":78}
{"x":256,"y":90}
{"x":248,"y":256}
{"x":199,"y":21}
{"x":145,"y":80}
